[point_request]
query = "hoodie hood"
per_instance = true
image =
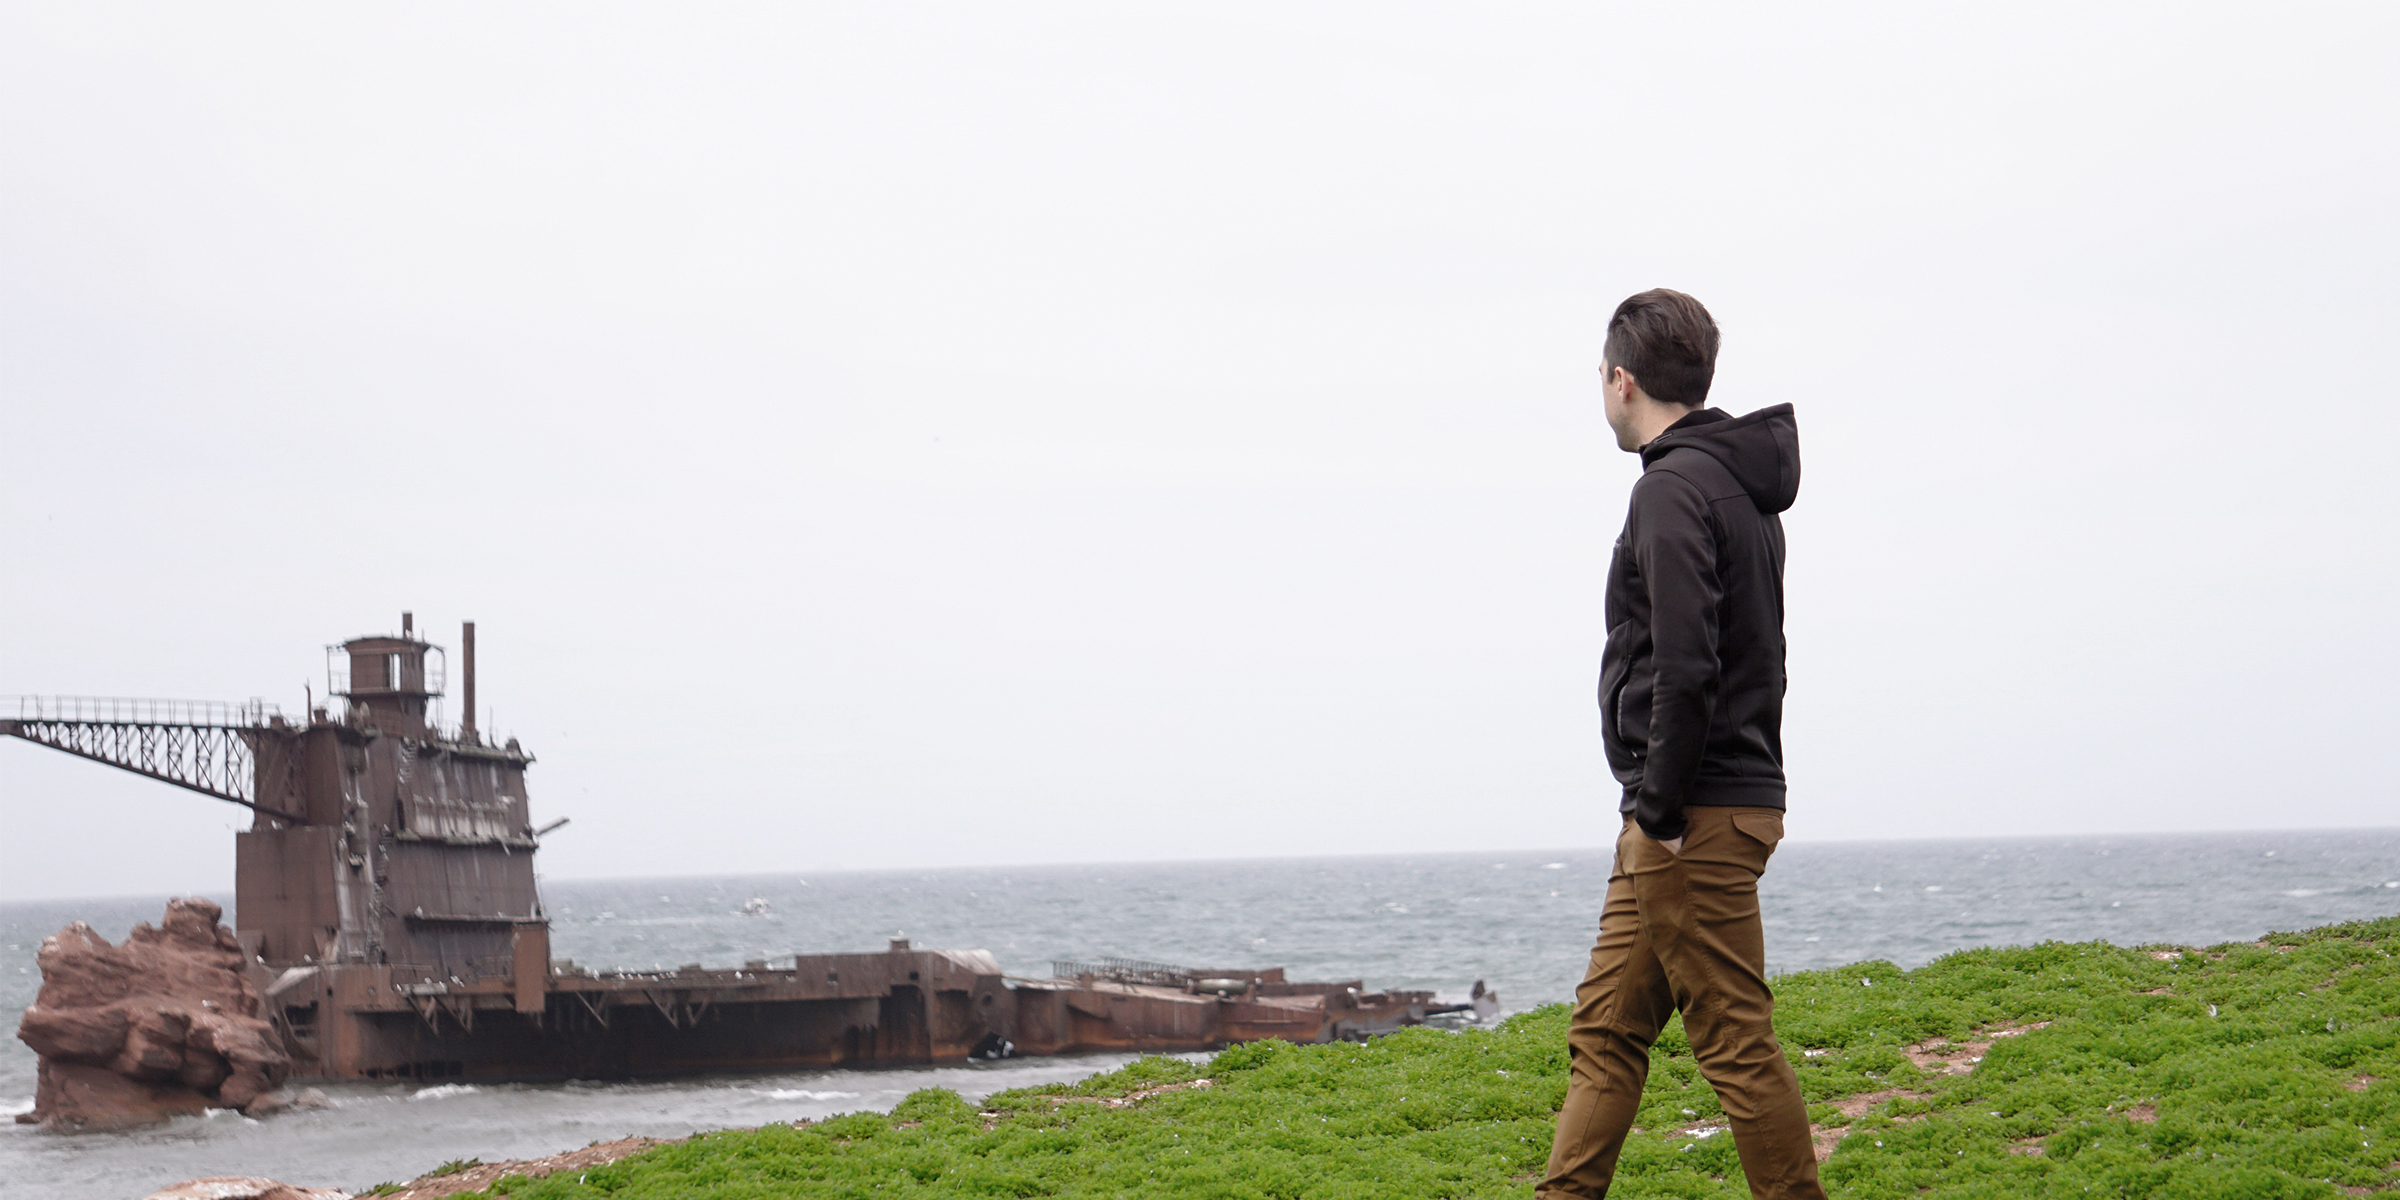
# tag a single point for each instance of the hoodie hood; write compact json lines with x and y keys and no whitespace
{"x":1760,"y":449}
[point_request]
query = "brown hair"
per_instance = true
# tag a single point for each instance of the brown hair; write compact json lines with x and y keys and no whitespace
{"x":1667,"y":342}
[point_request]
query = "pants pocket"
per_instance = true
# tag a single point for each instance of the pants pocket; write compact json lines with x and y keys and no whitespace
{"x":1761,"y":829}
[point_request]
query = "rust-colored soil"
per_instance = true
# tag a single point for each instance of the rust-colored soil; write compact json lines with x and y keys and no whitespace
{"x":475,"y":1179}
{"x":1942,"y":1056}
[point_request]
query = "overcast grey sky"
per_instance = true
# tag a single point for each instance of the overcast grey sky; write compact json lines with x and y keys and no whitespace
{"x":889,"y":435}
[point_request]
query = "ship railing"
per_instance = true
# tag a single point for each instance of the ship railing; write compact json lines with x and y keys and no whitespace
{"x":204,"y":745}
{"x":435,"y":669}
{"x":1123,"y":970}
{"x":429,"y":979}
{"x":130,"y":710}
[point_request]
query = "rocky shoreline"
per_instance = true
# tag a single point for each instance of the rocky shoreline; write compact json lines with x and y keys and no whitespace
{"x":456,"y":1180}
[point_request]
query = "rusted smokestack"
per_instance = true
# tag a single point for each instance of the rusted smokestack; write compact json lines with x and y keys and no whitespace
{"x":466,"y":647}
{"x":408,"y":624}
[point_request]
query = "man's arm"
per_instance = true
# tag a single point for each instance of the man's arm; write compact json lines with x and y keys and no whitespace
{"x":1677,"y":554}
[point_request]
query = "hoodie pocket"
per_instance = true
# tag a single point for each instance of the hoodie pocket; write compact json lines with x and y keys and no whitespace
{"x":1616,"y":670}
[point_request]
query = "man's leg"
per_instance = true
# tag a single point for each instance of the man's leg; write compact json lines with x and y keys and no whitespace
{"x":1700,"y":917}
{"x":1621,"y":1005}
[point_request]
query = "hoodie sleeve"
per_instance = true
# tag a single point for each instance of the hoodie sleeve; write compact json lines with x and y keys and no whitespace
{"x":1676,"y":551}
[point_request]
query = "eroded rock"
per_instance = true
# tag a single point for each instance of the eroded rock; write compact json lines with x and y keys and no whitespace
{"x":242,"y":1187}
{"x":166,"y":1025}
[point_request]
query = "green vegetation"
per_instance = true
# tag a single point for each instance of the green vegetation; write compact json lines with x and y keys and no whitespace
{"x":2250,"y":1072}
{"x":453,"y":1167}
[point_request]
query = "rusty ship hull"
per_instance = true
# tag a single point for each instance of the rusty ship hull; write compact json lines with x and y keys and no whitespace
{"x":385,"y":895}
{"x":902,"y":1007}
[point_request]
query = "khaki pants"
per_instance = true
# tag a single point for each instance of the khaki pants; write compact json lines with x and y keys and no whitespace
{"x":1681,"y":933}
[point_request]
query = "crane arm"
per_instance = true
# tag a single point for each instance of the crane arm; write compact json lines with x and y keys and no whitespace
{"x":196,"y":745}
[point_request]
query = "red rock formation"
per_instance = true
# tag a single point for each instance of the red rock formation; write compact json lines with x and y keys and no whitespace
{"x":243,"y":1187}
{"x":165,"y":1025}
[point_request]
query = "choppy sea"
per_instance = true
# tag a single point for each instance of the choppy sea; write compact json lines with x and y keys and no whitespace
{"x":1521,"y":922}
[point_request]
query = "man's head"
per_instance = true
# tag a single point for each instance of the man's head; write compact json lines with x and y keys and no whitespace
{"x":1657,"y":363}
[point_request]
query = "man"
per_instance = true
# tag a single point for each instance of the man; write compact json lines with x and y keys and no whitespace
{"x":1691,"y":713}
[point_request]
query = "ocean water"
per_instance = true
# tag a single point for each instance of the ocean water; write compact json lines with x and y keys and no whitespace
{"x":1521,"y":922}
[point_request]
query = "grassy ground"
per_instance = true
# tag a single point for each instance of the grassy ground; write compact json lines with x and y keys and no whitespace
{"x":2241,"y":1071}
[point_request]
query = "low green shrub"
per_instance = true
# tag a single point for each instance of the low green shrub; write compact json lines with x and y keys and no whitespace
{"x":2244,"y":1071}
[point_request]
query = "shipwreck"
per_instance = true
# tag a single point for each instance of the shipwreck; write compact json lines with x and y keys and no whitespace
{"x":387,"y":915}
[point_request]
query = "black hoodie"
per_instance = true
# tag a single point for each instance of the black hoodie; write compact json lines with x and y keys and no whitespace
{"x":1691,"y":685}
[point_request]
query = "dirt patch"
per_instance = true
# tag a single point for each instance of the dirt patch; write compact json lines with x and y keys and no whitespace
{"x":1942,"y":1056}
{"x":2145,"y":1113}
{"x":1826,"y":1137}
{"x":1129,"y":1099}
{"x":991,"y":1117}
{"x":1825,"y":1140}
{"x":2360,"y":1083}
{"x":2169,"y":955}
{"x":1854,"y":1107}
{"x":1935,"y":1056}
{"x":476,"y":1179}
{"x":2159,"y":991}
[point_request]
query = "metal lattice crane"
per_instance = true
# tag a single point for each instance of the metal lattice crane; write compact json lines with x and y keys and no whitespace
{"x":203,"y":745}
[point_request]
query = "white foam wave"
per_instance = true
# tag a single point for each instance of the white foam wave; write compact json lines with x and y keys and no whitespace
{"x":14,"y":1107}
{"x":443,"y":1091}
{"x":805,"y":1094}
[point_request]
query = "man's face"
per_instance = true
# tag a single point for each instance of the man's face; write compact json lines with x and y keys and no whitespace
{"x":1616,"y":402}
